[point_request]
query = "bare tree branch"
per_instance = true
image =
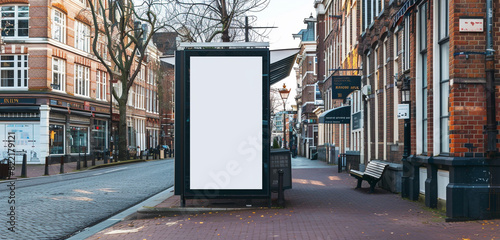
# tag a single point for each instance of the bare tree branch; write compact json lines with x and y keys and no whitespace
{"x":118,"y":28}
{"x":213,"y":20}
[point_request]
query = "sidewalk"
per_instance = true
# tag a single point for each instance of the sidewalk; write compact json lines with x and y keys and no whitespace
{"x":323,"y":204}
{"x":37,"y":170}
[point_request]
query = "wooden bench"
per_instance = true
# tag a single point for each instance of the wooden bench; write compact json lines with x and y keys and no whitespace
{"x":372,"y":174}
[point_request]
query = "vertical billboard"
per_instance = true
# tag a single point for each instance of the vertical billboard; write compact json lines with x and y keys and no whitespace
{"x":222,"y":123}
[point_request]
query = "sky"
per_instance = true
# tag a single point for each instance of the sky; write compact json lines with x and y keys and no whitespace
{"x":288,"y":16}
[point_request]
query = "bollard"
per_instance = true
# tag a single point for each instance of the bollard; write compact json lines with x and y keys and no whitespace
{"x":61,"y":170}
{"x":105,"y":158}
{"x":78,"y":163}
{"x":85,"y":160}
{"x":93,"y":159}
{"x":339,"y":165}
{"x":46,"y":166}
{"x":23,"y":169}
{"x":281,"y":193}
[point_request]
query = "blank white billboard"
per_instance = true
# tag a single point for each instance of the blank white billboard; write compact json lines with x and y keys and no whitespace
{"x":226,"y":123}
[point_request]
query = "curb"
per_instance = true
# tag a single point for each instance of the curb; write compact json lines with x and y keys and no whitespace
{"x":153,"y":212}
{"x":116,"y":163}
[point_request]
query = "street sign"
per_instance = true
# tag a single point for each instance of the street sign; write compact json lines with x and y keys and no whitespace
{"x":344,"y":85}
{"x":404,"y":111}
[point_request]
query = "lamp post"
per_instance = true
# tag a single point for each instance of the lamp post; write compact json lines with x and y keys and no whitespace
{"x":284,"y":96}
{"x":405,"y":100}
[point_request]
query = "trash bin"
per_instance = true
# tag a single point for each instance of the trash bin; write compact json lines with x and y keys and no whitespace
{"x":162,"y":154}
{"x":4,"y":169}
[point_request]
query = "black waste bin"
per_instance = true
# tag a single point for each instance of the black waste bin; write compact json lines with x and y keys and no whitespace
{"x":4,"y":169}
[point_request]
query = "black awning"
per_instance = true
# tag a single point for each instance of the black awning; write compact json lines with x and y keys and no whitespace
{"x":340,"y":115}
{"x":9,"y":109}
{"x":281,"y":64}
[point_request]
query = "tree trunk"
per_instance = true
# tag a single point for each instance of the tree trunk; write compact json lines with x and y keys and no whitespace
{"x":122,"y":130}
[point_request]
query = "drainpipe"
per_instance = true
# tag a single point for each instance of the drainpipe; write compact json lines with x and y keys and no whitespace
{"x":491,"y":130}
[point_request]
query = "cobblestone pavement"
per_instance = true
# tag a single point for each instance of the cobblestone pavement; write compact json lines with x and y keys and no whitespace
{"x":57,"y":206}
{"x":323,"y":204}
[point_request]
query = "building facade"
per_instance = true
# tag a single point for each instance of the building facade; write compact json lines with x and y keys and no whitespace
{"x":306,"y":74}
{"x":337,"y":51}
{"x":430,"y":50}
{"x":55,"y":92}
{"x":166,"y":43}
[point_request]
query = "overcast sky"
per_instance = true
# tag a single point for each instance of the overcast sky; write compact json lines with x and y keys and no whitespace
{"x":288,"y":16}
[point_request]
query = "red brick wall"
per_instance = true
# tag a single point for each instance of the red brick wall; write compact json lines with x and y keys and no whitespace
{"x":467,"y":93}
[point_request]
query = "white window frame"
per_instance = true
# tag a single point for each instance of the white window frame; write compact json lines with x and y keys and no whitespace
{"x":18,"y":15}
{"x":58,"y":26}
{"x":406,"y":45}
{"x":101,"y":80}
{"x":60,"y":72}
{"x":82,"y":80}
{"x":19,"y":70}
{"x":82,"y":36}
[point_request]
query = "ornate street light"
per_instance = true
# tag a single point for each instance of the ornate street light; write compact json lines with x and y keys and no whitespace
{"x":284,"y":96}
{"x":405,"y":100}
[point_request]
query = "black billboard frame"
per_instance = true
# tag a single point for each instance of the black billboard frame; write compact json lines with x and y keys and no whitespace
{"x":182,"y":127}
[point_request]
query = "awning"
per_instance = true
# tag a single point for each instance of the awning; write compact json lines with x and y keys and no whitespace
{"x":19,"y":109}
{"x":404,"y":10}
{"x":340,"y":115}
{"x":282,"y":61}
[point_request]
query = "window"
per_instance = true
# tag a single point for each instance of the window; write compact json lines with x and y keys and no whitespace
{"x":118,"y":90}
{"x":99,"y":135}
{"x":317,"y":96}
{"x":422,"y":31}
{"x":142,"y":73}
{"x":81,"y":80}
{"x":406,"y":57}
{"x":79,"y":139}
{"x":444,"y":86}
{"x":56,"y":139}
{"x":58,"y":74}
{"x":58,"y":26}
{"x":101,"y":78}
{"x":14,"y":71}
{"x":82,"y":36}
{"x":151,"y":79}
{"x":131,"y":96}
{"x":15,"y":21}
{"x":148,"y":100}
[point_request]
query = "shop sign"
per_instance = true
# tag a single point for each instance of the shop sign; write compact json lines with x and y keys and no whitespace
{"x":17,"y":100}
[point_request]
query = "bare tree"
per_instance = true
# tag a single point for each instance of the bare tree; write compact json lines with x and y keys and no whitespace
{"x":275,"y":100}
{"x":212,"y":20}
{"x":122,"y":32}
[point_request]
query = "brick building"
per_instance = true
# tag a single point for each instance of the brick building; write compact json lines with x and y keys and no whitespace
{"x":337,"y":58}
{"x":167,"y":44}
{"x":385,"y":52}
{"x":431,"y":47}
{"x":55,"y":92}
{"x":306,"y":97}
{"x":454,"y":106}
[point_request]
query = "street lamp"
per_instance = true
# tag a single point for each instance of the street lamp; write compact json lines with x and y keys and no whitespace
{"x":284,"y":96}
{"x":405,"y":100}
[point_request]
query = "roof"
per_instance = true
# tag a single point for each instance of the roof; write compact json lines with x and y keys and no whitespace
{"x":282,"y":61}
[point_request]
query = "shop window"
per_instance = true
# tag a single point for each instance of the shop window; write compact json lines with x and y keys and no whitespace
{"x":99,"y":135}
{"x":56,"y":139}
{"x":79,"y":139}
